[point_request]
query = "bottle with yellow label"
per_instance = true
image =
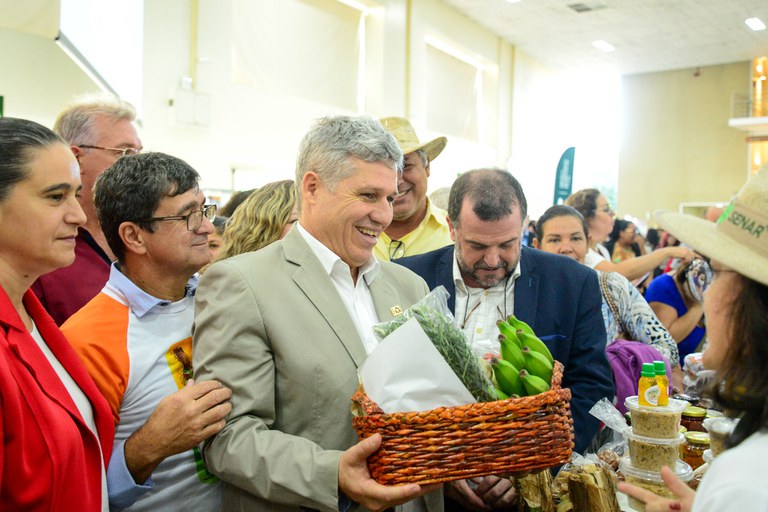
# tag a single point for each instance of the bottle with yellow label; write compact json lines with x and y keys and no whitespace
{"x":662,"y":381}
{"x":647,"y":390}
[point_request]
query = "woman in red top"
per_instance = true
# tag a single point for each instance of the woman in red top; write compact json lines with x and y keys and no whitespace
{"x":56,"y":428}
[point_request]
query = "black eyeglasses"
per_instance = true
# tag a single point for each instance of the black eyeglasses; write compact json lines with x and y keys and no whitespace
{"x":396,"y":249}
{"x":122,"y":151}
{"x":194,"y":219}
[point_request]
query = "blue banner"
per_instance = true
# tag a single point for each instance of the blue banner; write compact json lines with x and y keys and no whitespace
{"x":564,"y":176}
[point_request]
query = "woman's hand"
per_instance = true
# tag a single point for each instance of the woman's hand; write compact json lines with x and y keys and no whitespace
{"x":655,"y":503}
{"x":681,"y":252}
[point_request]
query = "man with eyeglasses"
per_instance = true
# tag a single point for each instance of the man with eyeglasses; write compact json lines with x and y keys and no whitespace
{"x":490,"y":276}
{"x":100,"y":130}
{"x":417,"y":226}
{"x":135,"y":336}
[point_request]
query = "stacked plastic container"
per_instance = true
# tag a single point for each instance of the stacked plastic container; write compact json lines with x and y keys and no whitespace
{"x":719,"y":431}
{"x":654,"y":441}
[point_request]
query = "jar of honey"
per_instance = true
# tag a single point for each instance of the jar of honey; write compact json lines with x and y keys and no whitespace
{"x":696,"y":443}
{"x":693,"y":419}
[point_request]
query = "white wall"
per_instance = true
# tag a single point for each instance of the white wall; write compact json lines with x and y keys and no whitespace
{"x":36,"y":78}
{"x":676,"y":145}
{"x":258,"y":131}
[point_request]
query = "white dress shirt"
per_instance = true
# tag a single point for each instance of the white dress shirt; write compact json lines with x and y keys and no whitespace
{"x":356,"y":296}
{"x":478,"y":309}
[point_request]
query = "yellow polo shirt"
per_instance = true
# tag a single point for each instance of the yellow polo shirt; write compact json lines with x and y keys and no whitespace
{"x":433,"y":233}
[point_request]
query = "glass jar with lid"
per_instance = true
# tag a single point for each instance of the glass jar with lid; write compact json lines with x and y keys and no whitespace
{"x":696,"y":443}
{"x":692,"y":418}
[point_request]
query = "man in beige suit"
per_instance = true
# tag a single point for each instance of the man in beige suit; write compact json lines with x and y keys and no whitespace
{"x":287,"y":327}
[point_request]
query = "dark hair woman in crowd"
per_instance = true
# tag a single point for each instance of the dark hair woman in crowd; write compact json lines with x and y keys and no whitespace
{"x":623,"y":244}
{"x":56,"y":427}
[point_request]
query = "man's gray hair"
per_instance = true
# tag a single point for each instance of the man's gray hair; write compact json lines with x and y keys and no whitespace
{"x":333,"y":141}
{"x":75,"y":123}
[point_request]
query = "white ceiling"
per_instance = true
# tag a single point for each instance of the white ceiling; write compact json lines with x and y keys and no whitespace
{"x":649,"y":35}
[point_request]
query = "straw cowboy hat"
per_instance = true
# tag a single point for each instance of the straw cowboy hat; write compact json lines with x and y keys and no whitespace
{"x":407,"y":139}
{"x":739,"y":238}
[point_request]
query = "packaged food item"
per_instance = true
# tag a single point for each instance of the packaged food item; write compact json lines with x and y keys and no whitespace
{"x":647,"y":390}
{"x":651,"y":453}
{"x":693,"y":419}
{"x":696,"y":378}
{"x":609,"y":457}
{"x":662,"y":381}
{"x":696,"y":443}
{"x":719,"y":431}
{"x":582,"y":485}
{"x":651,"y":480}
{"x":655,"y":421}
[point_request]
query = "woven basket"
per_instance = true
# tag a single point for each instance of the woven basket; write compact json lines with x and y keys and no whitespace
{"x":486,"y":438}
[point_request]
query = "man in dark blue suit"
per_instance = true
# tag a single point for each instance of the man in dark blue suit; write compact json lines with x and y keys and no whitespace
{"x":489,"y":276}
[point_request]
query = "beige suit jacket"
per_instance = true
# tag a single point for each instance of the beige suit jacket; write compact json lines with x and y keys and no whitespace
{"x":271,"y":326}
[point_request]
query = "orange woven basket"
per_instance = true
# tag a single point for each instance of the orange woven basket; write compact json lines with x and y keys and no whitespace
{"x":485,"y":438}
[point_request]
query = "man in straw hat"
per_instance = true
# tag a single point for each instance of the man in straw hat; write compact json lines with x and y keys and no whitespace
{"x":417,"y":225}
{"x":736,"y":308}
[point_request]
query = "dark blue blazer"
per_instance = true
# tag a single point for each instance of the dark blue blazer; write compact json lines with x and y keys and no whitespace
{"x":560,"y":299}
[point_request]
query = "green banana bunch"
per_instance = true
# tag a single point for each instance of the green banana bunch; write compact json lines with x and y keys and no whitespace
{"x":526,"y":364}
{"x":511,"y":351}
{"x":537,"y":364}
{"x":507,"y":377}
{"x":534,"y":343}
{"x":533,"y":384}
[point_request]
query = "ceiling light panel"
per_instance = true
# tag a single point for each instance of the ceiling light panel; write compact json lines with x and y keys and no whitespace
{"x":603,"y":46}
{"x":755,"y":24}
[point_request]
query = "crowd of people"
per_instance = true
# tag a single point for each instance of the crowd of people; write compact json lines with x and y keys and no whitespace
{"x":159,"y":354}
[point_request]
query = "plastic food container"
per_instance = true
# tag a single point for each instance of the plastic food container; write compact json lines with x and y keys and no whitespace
{"x":656,"y":421}
{"x":719,"y":431}
{"x":650,"y":453}
{"x":651,"y":480}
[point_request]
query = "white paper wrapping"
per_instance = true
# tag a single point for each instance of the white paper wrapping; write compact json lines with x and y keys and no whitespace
{"x":405,"y":372}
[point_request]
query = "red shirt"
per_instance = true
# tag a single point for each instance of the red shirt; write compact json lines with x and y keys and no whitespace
{"x":64,"y":291}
